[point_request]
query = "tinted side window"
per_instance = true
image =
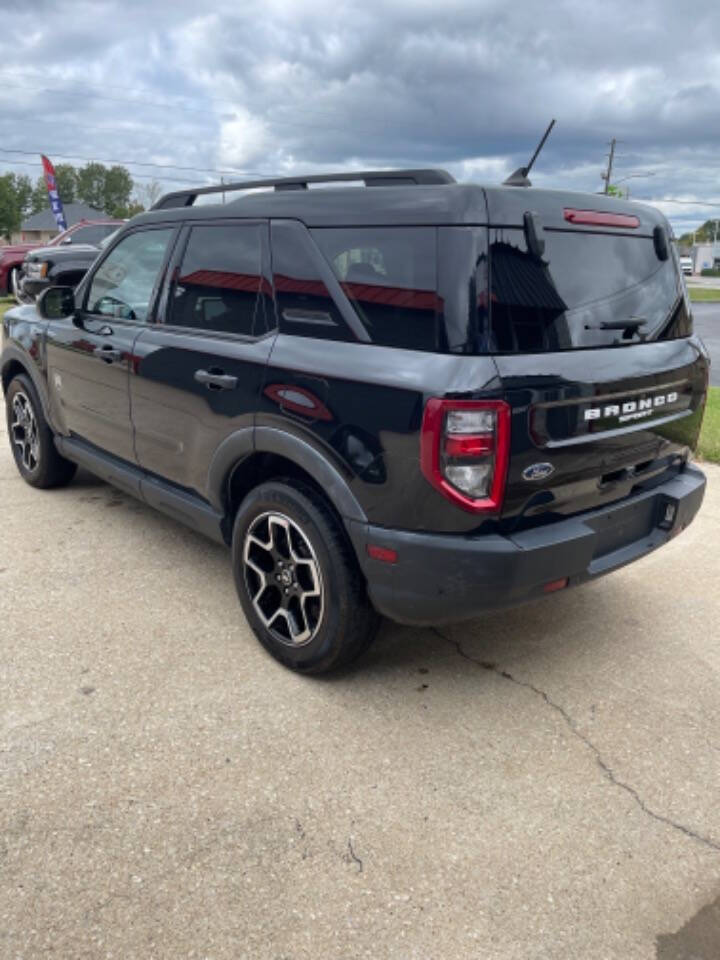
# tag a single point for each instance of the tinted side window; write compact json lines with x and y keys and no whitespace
{"x":218,"y":283}
{"x":304,"y":303}
{"x":123,"y":284}
{"x":93,"y":234}
{"x":390,"y":276}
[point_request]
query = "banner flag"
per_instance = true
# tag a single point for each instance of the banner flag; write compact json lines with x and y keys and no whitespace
{"x":55,"y":201}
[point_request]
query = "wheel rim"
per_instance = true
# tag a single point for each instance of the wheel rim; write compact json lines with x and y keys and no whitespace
{"x":24,"y":431}
{"x":283,"y":579}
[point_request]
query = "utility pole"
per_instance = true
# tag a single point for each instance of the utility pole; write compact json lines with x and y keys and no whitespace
{"x":222,"y":181}
{"x":611,"y":156}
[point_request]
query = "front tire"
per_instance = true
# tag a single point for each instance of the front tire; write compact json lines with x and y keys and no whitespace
{"x":31,"y":438}
{"x":298,"y":580}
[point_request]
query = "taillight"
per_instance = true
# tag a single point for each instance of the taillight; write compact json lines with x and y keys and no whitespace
{"x":464,"y":449}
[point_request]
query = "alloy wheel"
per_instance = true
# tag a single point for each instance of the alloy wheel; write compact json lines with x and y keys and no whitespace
{"x":24,"y":431}
{"x":283,"y":578}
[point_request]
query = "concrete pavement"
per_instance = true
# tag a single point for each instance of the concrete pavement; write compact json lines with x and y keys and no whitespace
{"x":541,"y":783}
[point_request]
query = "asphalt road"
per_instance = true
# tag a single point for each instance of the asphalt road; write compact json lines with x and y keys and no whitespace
{"x":707,"y":326}
{"x":536,"y":784}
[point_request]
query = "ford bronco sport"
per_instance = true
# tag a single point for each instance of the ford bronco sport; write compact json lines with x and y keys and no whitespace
{"x":415,"y":398}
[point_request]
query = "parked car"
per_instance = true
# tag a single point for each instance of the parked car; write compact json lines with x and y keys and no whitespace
{"x":686,"y":265}
{"x":420,"y":399}
{"x":63,"y":265}
{"x":12,"y":255}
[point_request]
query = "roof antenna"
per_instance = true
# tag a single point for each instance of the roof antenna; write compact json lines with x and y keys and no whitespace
{"x":520,"y":177}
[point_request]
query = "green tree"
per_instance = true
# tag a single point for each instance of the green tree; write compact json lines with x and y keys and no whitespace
{"x":91,"y":185}
{"x":108,"y":189}
{"x":15,"y":202}
{"x":132,"y":210}
{"x":707,"y":233}
{"x":24,"y":191}
{"x":117,"y":191}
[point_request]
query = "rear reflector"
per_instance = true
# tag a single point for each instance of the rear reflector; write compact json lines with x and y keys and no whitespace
{"x":598,"y":219}
{"x":384,"y":554}
{"x":556,"y":585}
{"x":468,"y":446}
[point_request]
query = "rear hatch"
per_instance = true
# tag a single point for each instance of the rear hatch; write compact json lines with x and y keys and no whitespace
{"x":591,"y":329}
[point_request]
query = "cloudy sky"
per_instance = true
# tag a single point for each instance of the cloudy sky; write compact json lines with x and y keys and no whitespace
{"x":285,"y":86}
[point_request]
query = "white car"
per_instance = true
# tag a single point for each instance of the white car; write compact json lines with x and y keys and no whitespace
{"x":686,"y":265}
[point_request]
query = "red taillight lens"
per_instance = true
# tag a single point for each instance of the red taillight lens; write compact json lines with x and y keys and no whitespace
{"x":597,"y":218}
{"x":464,"y":450}
{"x":459,"y":446}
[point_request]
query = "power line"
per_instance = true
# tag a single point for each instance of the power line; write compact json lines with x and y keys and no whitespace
{"x":140,"y":99}
{"x":136,"y":163}
{"x":694,"y":203}
{"x":138,"y":176}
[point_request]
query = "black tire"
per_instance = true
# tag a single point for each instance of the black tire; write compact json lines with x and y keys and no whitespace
{"x":36,"y":456}
{"x":342,"y":620}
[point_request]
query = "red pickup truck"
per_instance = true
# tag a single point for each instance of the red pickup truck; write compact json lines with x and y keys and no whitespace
{"x":12,"y":256}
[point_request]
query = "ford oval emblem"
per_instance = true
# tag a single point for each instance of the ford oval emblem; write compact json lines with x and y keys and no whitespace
{"x":538,"y":471}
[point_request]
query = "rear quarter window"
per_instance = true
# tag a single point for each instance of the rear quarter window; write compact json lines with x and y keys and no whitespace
{"x":389,"y":274}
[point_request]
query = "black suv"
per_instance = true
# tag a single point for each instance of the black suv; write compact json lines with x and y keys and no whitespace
{"x":413,"y":398}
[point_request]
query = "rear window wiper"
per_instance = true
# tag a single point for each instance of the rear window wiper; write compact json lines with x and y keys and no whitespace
{"x":632,"y":323}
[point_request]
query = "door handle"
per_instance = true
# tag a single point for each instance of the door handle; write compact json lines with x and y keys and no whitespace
{"x":216,"y":379}
{"x":107,"y":353}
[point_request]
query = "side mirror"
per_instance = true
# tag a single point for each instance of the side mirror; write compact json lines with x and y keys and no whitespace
{"x":56,"y":303}
{"x":66,"y":240}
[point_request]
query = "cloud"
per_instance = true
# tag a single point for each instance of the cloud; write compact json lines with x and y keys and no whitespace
{"x":289,"y":85}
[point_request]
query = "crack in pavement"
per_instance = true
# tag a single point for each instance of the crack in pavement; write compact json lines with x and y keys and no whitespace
{"x":572,"y":726}
{"x":353,"y":857}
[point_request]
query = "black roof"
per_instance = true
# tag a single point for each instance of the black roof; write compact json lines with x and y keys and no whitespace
{"x":392,"y":198}
{"x":338,"y":206}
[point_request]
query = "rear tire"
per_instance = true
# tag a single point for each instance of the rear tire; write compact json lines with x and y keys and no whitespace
{"x":31,"y":438}
{"x":298,"y":580}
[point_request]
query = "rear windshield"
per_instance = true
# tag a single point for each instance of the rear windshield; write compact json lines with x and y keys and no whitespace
{"x":93,"y":234}
{"x":585,"y":290}
{"x":474,"y":290}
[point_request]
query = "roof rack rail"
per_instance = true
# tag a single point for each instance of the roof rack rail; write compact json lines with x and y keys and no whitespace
{"x":371,"y":178}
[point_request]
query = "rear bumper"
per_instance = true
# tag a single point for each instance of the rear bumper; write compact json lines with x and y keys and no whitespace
{"x":441,"y":578}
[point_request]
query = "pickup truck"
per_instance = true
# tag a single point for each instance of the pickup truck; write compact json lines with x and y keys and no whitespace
{"x":61,"y":265}
{"x":12,"y":255}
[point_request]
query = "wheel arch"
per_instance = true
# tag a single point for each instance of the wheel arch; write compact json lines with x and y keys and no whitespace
{"x":243,"y":460}
{"x":10,"y":370}
{"x":14,"y":362}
